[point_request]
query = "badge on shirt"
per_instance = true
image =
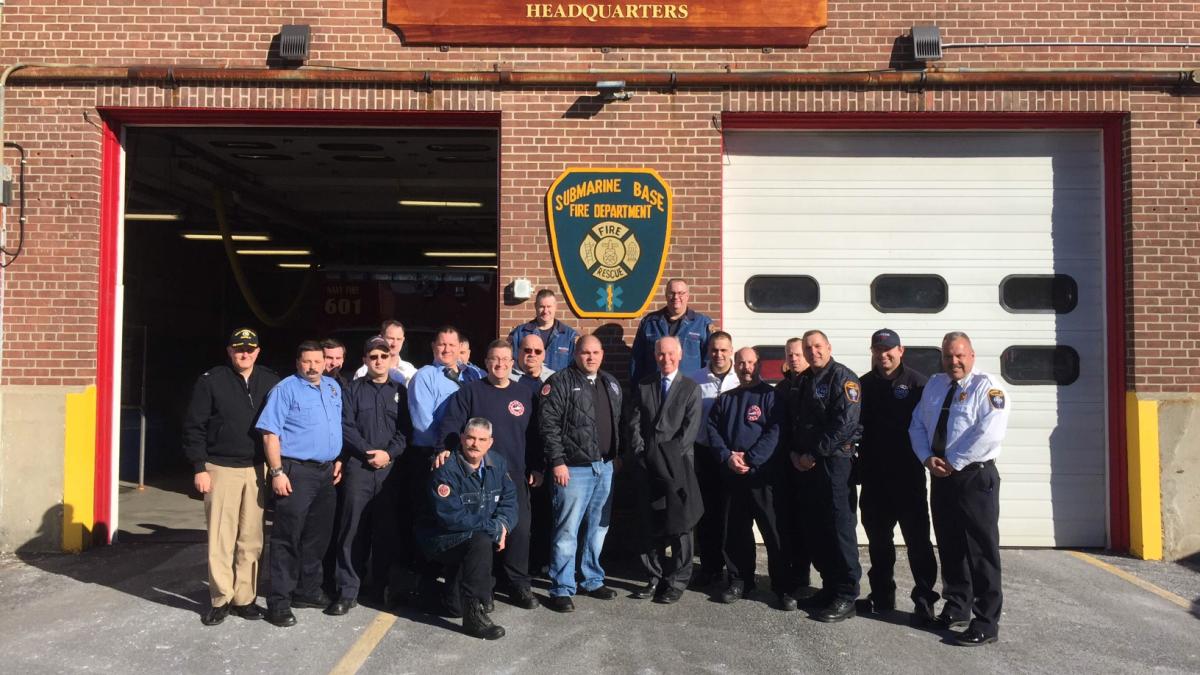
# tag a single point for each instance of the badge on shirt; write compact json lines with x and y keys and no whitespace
{"x":332,"y":390}
{"x":753,"y":413}
{"x":901,"y":392}
{"x":515,"y":408}
{"x":545,"y":390}
{"x":822,"y":390}
{"x":443,"y":490}
{"x":396,"y":398}
{"x":962,"y":397}
{"x":997,"y":398}
{"x":852,"y":392}
{"x":616,"y":389}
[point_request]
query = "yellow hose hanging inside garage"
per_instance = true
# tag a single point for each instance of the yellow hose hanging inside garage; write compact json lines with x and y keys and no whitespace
{"x":240,"y":276}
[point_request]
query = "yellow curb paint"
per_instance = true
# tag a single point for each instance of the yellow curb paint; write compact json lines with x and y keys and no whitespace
{"x":1136,"y":581}
{"x":79,"y":470}
{"x":1145,"y":487}
{"x":366,"y":643}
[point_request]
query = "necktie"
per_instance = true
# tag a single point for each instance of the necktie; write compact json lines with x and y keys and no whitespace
{"x":939,"y":433}
{"x":666,"y":384}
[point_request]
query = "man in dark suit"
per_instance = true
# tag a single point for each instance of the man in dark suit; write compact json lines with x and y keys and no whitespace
{"x":665,"y":415}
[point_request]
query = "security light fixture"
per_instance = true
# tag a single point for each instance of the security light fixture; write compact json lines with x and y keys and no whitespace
{"x":927,"y":43}
{"x":613,"y":90}
{"x":294,"y":266}
{"x":294,"y":42}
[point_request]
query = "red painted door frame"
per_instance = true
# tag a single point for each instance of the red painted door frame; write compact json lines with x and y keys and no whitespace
{"x":115,"y":119}
{"x":1111,"y":126}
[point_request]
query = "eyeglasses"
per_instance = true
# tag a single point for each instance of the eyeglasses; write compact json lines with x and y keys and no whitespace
{"x":531,"y":350}
{"x":379,"y":357}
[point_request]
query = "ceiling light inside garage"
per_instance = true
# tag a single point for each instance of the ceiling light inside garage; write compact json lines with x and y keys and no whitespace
{"x":459,"y":254}
{"x":216,"y":236}
{"x":273,"y":251}
{"x":438,"y":205}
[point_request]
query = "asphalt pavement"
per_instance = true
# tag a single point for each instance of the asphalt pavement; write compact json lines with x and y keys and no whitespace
{"x":135,"y":607}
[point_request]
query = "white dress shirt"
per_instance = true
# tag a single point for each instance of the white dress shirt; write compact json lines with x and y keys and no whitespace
{"x":977,"y":422}
{"x":711,"y":386}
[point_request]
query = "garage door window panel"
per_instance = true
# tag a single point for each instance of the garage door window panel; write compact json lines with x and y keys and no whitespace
{"x":1039,"y":293}
{"x":779,"y":293}
{"x":1040,"y":364}
{"x":909,"y":293}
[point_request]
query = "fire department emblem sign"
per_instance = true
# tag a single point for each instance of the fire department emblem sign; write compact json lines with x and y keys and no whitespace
{"x":610,"y":230}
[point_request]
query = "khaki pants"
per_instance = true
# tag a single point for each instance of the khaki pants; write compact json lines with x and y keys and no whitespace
{"x":234,"y":511}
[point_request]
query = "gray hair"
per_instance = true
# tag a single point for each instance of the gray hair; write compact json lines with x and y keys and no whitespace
{"x":478,"y":423}
{"x":665,"y":340}
{"x":954,"y":336}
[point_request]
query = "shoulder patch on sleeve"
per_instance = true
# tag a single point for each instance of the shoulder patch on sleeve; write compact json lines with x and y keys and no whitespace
{"x":443,"y":490}
{"x":853,"y":394}
{"x":996,"y":398}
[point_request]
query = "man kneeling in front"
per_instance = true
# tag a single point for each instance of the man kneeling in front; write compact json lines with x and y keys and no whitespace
{"x":471,"y":508}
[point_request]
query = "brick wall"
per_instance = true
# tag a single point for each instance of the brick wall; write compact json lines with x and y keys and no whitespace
{"x":51,"y":291}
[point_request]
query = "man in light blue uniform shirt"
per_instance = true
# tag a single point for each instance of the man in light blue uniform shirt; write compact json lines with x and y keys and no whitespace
{"x":301,"y":426}
{"x":956,"y":432}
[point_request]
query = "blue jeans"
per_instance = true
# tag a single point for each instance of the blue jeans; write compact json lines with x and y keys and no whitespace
{"x":586,"y":500}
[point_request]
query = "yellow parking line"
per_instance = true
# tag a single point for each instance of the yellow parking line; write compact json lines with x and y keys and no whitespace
{"x":366,"y":643}
{"x":1136,"y":581}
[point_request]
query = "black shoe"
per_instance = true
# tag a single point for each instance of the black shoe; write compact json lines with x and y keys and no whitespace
{"x":250,"y":612}
{"x":478,"y":624}
{"x":786,"y":602}
{"x":215,"y":615}
{"x":647,"y":591}
{"x":838,"y":610}
{"x":733,"y":593}
{"x":922,"y":617}
{"x":488,"y":606}
{"x":882,"y":604}
{"x":524,"y":598}
{"x":318,"y":601}
{"x":282,"y":617}
{"x":948,"y":622}
{"x":868,"y":605}
{"x":561,"y":603}
{"x":340,"y":606}
{"x":974,"y":638}
{"x":602,"y":593}
{"x":669,"y":596}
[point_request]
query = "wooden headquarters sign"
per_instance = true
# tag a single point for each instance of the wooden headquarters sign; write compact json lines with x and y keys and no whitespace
{"x":612,"y":23}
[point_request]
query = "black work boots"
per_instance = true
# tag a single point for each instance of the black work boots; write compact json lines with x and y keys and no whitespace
{"x":478,"y":624}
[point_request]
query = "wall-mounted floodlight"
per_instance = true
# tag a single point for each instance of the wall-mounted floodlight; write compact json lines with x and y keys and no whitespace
{"x":927,"y":43}
{"x":613,"y":90}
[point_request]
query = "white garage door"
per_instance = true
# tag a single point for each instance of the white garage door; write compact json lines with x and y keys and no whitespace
{"x":998,"y":234}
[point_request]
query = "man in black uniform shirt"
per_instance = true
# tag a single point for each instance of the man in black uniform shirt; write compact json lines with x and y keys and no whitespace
{"x":893,"y":480}
{"x":375,"y":429}
{"x":821,"y":431}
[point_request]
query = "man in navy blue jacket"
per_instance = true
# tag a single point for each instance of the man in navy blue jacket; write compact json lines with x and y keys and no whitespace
{"x":743,"y":430}
{"x":509,"y":407}
{"x":558,"y":338}
{"x":375,"y":430}
{"x":673,"y":320}
{"x":471,"y":506}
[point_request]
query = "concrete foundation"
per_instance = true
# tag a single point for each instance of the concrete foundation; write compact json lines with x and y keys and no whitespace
{"x":32,"y":436}
{"x":1179,"y":446}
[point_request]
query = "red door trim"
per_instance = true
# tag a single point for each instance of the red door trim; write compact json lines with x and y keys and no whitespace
{"x":1111,"y":126}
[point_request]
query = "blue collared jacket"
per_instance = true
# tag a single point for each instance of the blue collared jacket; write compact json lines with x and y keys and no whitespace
{"x":460,"y":503}
{"x":693,"y":337}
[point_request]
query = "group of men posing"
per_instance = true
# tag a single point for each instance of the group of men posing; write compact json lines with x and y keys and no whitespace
{"x":437,"y":469}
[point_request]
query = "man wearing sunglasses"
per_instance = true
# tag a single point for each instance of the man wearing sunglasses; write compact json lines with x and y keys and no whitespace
{"x":531,"y":363}
{"x":375,"y":427}
{"x":227,"y":457}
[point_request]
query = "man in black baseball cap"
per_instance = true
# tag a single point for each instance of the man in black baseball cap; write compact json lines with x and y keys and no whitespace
{"x":228,"y":466}
{"x":893,"y":480}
